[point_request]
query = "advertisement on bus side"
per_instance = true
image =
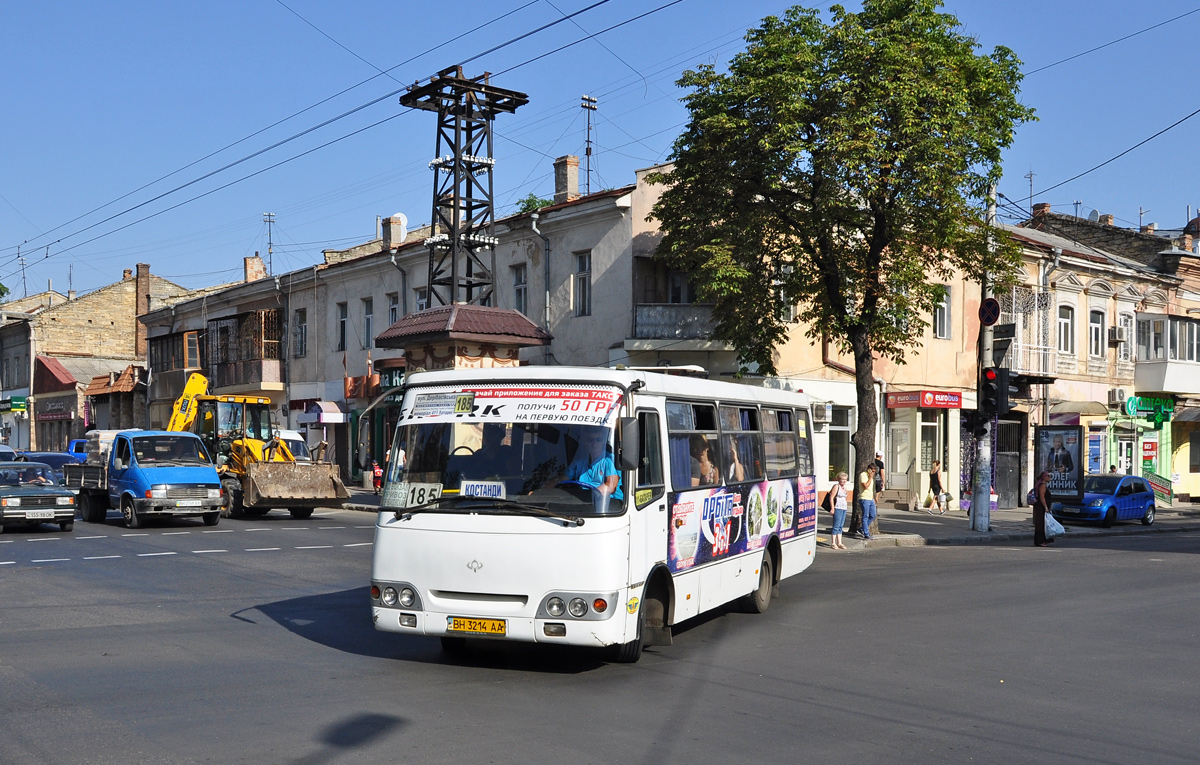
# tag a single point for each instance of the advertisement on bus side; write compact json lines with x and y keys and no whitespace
{"x":710,"y":524}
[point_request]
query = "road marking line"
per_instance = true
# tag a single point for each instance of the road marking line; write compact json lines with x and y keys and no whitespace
{"x":151,"y":555}
{"x":99,"y":537}
{"x":6,"y":542}
{"x":359,"y":544}
{"x":135,"y":535}
{"x":201,"y":552}
{"x":49,"y":560}
{"x":7,"y":562}
{"x":256,"y":529}
{"x":293,"y":528}
{"x":44,"y":539}
{"x":365,"y":527}
{"x":102,"y":557}
{"x":260,"y":549}
{"x":174,"y":533}
{"x":218,"y":531}
{"x":315,"y":547}
{"x":323,"y":528}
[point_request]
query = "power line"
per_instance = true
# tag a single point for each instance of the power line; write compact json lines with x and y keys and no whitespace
{"x":1113,"y":42}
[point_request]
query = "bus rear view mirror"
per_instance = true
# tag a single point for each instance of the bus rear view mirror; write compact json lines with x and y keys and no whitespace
{"x":627,"y":444}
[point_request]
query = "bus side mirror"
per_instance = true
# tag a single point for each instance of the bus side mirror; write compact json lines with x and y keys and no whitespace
{"x":628,"y":444}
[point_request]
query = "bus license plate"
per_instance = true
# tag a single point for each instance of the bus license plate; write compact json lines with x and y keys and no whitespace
{"x":35,"y":514}
{"x":187,"y":503}
{"x":477,"y":626}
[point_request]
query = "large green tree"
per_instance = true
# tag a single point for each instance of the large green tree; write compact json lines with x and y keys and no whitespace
{"x":840,"y":167}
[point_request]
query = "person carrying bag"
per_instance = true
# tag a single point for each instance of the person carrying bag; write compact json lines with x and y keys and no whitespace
{"x":934,"y":497}
{"x":835,"y":502}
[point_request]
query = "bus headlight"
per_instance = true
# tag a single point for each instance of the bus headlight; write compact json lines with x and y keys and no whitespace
{"x":389,"y":596}
{"x":578,"y":607}
{"x":556,"y":607}
{"x":407,"y":597}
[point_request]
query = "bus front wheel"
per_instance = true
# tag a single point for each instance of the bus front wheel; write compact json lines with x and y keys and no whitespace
{"x":761,"y":597}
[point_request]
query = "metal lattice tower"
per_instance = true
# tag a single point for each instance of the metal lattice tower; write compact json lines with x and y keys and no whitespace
{"x":462,"y":250}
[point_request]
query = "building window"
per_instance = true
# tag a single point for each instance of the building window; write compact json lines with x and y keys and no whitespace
{"x":422,"y":294}
{"x":680,"y":290}
{"x":342,"y":316}
{"x":178,"y":351}
{"x":301,"y":344}
{"x":1066,"y":329}
{"x":583,"y":284}
{"x":1096,"y":345}
{"x":1125,"y":322}
{"x":368,"y":322}
{"x":393,"y":308}
{"x":520,"y":289}
{"x":941,"y":318}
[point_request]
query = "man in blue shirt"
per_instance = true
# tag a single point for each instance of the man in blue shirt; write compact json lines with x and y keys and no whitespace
{"x":593,"y":465}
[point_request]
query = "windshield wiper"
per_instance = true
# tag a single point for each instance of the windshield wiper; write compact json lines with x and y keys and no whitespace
{"x":508,"y":504}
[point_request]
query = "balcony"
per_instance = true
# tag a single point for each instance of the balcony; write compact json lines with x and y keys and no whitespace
{"x":247,"y":376}
{"x":672,"y":321}
{"x":1167,"y":376}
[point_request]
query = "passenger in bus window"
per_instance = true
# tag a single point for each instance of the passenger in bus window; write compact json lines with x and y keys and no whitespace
{"x":737,"y":471}
{"x":704,"y":464}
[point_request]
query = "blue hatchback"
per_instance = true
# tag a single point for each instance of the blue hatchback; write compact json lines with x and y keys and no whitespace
{"x":1110,"y":498}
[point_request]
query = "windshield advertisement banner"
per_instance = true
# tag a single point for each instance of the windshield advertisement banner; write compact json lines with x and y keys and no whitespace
{"x":1057,"y":450}
{"x":711,"y":524}
{"x":550,"y":403}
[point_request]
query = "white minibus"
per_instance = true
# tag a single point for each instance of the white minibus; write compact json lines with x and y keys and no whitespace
{"x":588,"y":507}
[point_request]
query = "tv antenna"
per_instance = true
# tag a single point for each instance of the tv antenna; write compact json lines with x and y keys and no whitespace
{"x":589,"y":105}
{"x":1141,"y":214}
{"x":1030,"y":175}
{"x":269,"y":219}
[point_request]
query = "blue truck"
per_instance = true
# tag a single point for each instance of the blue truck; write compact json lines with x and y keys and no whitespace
{"x":146,"y":474}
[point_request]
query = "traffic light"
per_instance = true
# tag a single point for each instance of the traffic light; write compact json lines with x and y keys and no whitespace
{"x":989,"y":392}
{"x":1008,"y":387}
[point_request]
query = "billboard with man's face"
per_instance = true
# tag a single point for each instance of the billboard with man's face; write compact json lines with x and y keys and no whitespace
{"x":1057,"y":450}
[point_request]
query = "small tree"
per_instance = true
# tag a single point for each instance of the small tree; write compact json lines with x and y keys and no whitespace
{"x":531,"y":203}
{"x":841,"y":168}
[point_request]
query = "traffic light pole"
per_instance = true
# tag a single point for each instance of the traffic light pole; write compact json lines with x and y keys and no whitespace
{"x":981,"y":486}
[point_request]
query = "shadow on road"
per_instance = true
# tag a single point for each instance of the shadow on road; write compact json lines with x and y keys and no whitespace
{"x":1181,"y":540}
{"x":354,"y":732}
{"x":342,"y":621}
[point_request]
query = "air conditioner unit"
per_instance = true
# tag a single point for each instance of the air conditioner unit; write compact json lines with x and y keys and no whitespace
{"x":822,"y":412}
{"x":1116,"y":396}
{"x":1117,"y":335}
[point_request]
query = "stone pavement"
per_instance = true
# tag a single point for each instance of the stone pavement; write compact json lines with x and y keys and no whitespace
{"x":906,"y":528}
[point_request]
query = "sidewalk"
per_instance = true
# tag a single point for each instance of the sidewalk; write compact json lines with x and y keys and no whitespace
{"x":905,"y":528}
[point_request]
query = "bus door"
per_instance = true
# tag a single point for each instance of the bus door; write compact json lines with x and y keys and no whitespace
{"x":648,"y":509}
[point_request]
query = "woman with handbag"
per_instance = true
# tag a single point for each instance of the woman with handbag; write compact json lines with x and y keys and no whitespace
{"x":837,"y":502}
{"x":934,"y":500}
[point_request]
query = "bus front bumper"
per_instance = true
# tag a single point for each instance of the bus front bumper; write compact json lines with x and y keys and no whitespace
{"x":564,"y":630}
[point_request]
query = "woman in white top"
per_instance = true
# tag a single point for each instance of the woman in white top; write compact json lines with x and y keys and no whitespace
{"x":839,"y":493}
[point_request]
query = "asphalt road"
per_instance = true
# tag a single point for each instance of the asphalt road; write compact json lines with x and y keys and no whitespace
{"x":254,"y":644}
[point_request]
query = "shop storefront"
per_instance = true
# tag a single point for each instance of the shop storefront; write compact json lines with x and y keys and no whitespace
{"x":14,"y":422}
{"x":55,"y":418}
{"x":923,"y":427}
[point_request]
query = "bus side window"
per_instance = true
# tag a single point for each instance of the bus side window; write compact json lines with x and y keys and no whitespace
{"x":650,"y":474}
{"x":804,"y":439}
{"x":780,"y":441}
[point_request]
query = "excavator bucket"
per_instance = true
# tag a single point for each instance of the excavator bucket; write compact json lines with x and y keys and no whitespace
{"x":293,"y":484}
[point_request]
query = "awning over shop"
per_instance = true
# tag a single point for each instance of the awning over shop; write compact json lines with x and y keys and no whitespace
{"x":1186,"y":414}
{"x":324,"y":412}
{"x":1079,"y":407}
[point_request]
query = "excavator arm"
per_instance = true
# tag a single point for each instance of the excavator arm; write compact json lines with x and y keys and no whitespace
{"x":184,"y":412}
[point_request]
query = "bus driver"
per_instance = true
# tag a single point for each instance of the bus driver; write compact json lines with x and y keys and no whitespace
{"x":593,"y":466}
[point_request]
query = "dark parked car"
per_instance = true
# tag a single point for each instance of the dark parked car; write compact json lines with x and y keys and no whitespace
{"x":1109,"y":498}
{"x":30,"y":497}
{"x":55,"y":460}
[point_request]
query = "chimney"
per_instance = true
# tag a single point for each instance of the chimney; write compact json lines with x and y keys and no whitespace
{"x":1149,"y":228}
{"x":566,"y":179}
{"x":142,"y":290}
{"x":1041,"y":210}
{"x":70,"y":294}
{"x":393,"y":231}
{"x":128,"y":274}
{"x":253,"y":268}
{"x":1105,"y":220}
{"x":1185,"y":242}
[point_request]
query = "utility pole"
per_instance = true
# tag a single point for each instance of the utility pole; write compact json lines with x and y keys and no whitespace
{"x":981,"y":486}
{"x":21,"y":262}
{"x":1028,"y":175}
{"x":269,"y":219}
{"x":589,"y":105}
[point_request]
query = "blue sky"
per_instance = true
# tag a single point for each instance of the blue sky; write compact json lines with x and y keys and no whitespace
{"x":101,"y":100}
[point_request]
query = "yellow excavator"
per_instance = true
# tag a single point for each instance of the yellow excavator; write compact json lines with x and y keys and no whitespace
{"x":258,"y":471}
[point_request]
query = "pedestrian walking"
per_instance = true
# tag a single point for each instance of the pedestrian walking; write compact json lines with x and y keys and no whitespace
{"x":1041,"y":505}
{"x":866,"y":495}
{"x":879,"y":477}
{"x":838,"y":491}
{"x":935,"y":488}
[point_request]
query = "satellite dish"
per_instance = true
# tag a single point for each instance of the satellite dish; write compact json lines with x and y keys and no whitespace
{"x":1094,"y":216}
{"x":399,"y":228}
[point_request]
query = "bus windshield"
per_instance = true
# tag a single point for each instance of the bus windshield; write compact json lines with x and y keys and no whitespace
{"x":476,"y":467}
